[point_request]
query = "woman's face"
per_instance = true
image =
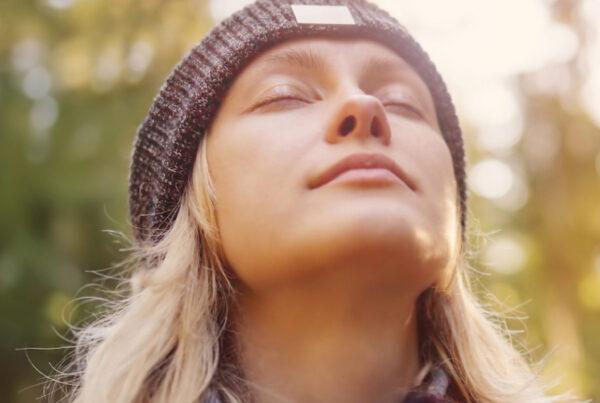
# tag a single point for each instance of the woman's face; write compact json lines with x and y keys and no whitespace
{"x":266,"y":155}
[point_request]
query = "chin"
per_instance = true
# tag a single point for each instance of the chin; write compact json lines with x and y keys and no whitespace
{"x":374,"y":239}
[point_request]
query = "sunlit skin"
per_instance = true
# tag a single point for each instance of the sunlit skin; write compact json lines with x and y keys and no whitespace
{"x":330,"y":274}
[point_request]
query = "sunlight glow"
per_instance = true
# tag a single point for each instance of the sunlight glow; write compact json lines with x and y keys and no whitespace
{"x":139,"y":58}
{"x":477,"y":55}
{"x":505,"y":255}
{"x":221,"y":9}
{"x":43,"y":114}
{"x":73,"y":64}
{"x":60,"y":4}
{"x":27,"y":54}
{"x":490,"y":178}
{"x":107,"y":68}
{"x":590,"y":93}
{"x":469,"y":39}
{"x":589,"y":291}
{"x":37,"y":83}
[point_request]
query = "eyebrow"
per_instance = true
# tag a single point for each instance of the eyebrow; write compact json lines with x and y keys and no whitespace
{"x":306,"y":59}
{"x":310,"y":60}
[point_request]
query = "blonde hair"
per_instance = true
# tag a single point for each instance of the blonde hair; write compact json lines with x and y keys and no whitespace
{"x":166,"y":341}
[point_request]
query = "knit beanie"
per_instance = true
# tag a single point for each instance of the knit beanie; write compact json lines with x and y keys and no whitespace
{"x":167,"y":141}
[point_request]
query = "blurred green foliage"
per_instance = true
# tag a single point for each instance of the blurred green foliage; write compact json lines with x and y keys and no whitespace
{"x":76,"y":80}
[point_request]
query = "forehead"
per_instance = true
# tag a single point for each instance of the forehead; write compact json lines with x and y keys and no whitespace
{"x":326,"y":55}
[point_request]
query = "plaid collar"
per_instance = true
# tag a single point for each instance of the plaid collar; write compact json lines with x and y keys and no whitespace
{"x":434,"y":389}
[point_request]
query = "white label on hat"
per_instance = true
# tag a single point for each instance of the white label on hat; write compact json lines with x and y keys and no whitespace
{"x":317,"y":14}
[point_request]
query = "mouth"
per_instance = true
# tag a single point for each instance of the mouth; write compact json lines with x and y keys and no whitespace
{"x":364,"y":167}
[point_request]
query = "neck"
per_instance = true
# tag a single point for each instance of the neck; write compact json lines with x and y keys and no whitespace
{"x":334,"y":340}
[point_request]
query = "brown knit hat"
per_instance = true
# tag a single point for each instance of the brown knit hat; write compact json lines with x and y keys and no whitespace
{"x":167,"y":141}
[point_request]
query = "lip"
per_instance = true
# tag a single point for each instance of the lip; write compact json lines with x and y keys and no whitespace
{"x":361,"y":161}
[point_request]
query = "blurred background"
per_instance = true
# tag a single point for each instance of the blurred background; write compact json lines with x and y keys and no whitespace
{"x":78,"y":76}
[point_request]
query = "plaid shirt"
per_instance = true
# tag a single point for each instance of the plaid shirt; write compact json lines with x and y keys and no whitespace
{"x":434,"y":389}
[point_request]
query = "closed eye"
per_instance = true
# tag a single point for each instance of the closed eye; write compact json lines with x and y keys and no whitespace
{"x":406,"y":107}
{"x":277,"y":99}
{"x":272,"y":99}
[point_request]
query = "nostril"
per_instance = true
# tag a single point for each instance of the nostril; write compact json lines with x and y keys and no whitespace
{"x":375,"y":127}
{"x":348,"y":125}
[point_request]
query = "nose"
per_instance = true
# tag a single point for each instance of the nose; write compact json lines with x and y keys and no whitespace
{"x":360,"y":116}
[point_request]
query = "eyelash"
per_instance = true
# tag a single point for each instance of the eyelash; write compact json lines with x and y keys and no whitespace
{"x":271,"y":99}
{"x":407,"y":106}
{"x":274,"y":98}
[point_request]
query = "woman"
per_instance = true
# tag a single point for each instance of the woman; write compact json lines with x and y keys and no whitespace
{"x":298,"y":200}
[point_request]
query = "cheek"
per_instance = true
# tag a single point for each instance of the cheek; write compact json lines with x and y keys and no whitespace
{"x":239,"y":172}
{"x":253,"y":167}
{"x":443,"y":182}
{"x":256,"y":179}
{"x":433,"y":161}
